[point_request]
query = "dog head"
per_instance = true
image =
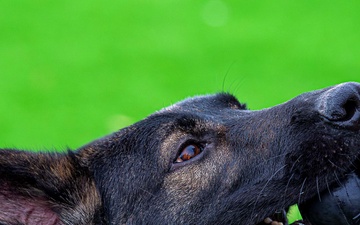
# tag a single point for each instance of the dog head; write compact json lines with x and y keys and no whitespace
{"x":205,"y":160}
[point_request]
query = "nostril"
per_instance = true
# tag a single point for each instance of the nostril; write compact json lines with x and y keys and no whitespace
{"x":350,"y":107}
{"x":340,"y":105}
{"x":343,"y":112}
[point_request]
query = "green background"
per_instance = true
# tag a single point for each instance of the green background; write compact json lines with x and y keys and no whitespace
{"x":73,"y":71}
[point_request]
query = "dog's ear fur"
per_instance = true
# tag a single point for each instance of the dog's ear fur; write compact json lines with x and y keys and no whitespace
{"x":38,"y":188}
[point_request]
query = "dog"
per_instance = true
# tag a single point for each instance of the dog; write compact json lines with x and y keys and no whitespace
{"x":204,"y":160}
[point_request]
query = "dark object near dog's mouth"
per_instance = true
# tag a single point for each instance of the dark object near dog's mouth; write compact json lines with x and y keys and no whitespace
{"x":337,"y":206}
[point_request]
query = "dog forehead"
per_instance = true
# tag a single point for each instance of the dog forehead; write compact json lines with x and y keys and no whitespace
{"x":205,"y":102}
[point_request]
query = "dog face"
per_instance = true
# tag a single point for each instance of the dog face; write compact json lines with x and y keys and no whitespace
{"x":205,"y":160}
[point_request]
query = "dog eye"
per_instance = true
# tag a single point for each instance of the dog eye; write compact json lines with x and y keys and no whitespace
{"x":189,"y":152}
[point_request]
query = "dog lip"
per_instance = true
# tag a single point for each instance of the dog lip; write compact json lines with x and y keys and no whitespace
{"x":277,"y":218}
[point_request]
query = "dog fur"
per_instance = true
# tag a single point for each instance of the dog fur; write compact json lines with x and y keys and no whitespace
{"x":251,"y":163}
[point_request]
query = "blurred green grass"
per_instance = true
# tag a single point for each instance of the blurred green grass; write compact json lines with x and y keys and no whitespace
{"x":73,"y":71}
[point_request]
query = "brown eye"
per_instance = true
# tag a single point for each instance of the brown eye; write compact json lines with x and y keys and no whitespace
{"x":190,"y":151}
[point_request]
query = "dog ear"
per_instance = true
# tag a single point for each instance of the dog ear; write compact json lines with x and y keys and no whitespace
{"x":44,"y":188}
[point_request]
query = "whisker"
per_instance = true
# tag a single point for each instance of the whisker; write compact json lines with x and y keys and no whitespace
{"x":297,"y":160}
{"x":353,"y":165}
{"x":262,"y":190}
{"x":317,"y":188}
{"x":226,"y":75}
{"x":328,"y":187}
{"x":334,"y":165}
{"x":239,"y":84}
{"x":292,"y":175}
{"x":338,"y":180}
{"x":301,"y":191}
{"x":286,"y":188}
{"x":146,"y":191}
{"x":356,"y":217}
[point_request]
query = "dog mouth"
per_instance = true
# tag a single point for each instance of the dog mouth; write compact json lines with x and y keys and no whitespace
{"x":278,"y":218}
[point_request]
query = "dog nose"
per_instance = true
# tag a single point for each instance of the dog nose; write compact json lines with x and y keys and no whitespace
{"x":340,"y":105}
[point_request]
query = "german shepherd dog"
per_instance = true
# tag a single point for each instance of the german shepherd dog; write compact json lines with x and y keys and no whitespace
{"x":205,"y":160}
